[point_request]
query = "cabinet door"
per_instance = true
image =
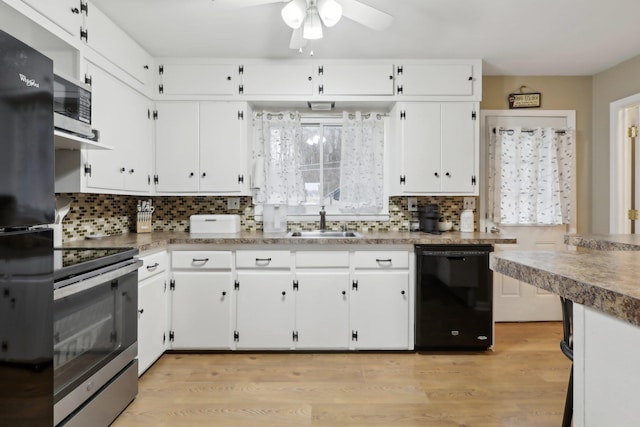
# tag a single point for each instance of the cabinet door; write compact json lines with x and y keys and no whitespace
{"x":420,"y":148}
{"x":380,"y":309}
{"x":223,"y":154}
{"x":198,"y":79}
{"x":458,"y":147}
{"x":440,"y":79}
{"x":343,"y":79}
{"x":201,"y":310}
{"x":64,"y":13}
{"x":110,"y":41}
{"x":265,"y":310}
{"x":277,"y":79}
{"x":139,"y":127}
{"x":152,"y":321}
{"x":322,"y":310}
{"x":177,"y":147}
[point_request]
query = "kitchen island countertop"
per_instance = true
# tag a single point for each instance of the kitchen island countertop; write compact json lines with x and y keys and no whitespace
{"x":604,"y":242}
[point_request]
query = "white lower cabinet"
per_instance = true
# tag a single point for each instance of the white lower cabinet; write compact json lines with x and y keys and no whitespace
{"x":322,"y":309}
{"x":265,"y":309}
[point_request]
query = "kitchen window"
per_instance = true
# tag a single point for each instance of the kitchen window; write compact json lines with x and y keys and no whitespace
{"x":309,"y":162}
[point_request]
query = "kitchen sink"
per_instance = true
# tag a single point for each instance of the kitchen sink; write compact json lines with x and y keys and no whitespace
{"x":324,"y":233}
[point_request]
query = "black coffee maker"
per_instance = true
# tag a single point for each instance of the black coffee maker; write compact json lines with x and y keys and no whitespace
{"x":429,"y":216}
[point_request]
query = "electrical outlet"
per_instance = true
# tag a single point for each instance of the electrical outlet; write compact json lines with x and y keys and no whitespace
{"x":412,"y":202}
{"x":469,"y":203}
{"x":233,"y":203}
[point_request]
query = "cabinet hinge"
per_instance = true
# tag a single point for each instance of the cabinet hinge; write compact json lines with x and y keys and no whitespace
{"x":161,"y":69}
{"x":161,"y":88}
{"x":473,"y":180}
{"x":633,"y":214}
{"x":148,"y":179}
{"x":354,"y":285}
{"x":164,"y":338}
{"x":171,"y":336}
{"x":473,"y":115}
{"x":240,"y":89}
{"x":241,"y":69}
{"x":148,"y":114}
{"x":399,"y":70}
{"x":632,"y":132}
{"x":295,"y":285}
{"x":155,"y":114}
{"x":403,"y":115}
{"x":295,"y":336}
{"x":236,"y":336}
{"x":84,"y":34}
{"x":321,"y":89}
{"x":87,"y":79}
{"x":354,"y":335}
{"x":87,"y":169}
{"x":240,"y":115}
{"x":321,"y":70}
{"x":236,"y":285}
{"x":156,"y":179}
{"x":400,"y":89}
{"x":84,"y":8}
{"x":403,"y":179}
{"x":165,"y":286}
{"x":172,"y":285}
{"x":240,"y":179}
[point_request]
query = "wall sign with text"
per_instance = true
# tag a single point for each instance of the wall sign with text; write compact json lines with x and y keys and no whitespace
{"x":525,"y":100}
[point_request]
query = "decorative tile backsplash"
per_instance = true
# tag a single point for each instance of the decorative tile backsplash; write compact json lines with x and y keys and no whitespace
{"x":116,"y":214}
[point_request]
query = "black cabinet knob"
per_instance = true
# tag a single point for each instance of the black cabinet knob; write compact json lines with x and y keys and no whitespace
{"x":310,"y":78}
{"x":224,"y":294}
{"x":344,"y":292}
{"x":75,"y":10}
{"x":448,"y":174}
{"x":228,"y":77}
{"x":191,"y":174}
{"x":146,"y":67}
{"x":284,"y":293}
{"x":132,"y":170}
{"x":436,"y":174}
{"x":204,"y":174}
{"x":141,"y":311}
{"x":402,"y":292}
{"x":122,"y":169}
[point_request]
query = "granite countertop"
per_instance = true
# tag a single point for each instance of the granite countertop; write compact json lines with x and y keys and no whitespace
{"x":606,"y":281}
{"x":158,"y":240}
{"x":605,"y":242}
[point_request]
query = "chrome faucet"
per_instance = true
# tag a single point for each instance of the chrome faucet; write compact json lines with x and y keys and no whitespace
{"x":323,"y":218}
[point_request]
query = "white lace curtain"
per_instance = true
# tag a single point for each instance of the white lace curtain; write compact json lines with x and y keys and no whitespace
{"x":362,"y":163}
{"x":276,"y":175}
{"x":530,"y":176}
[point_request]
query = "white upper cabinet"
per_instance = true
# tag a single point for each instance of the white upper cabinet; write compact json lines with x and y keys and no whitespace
{"x":101,"y":34}
{"x":66,"y":14}
{"x":435,"y":79}
{"x":276,"y":79}
{"x":355,"y":79}
{"x":188,"y":79}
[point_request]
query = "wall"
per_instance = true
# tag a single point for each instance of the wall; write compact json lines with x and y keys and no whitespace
{"x":113,"y":214}
{"x":558,"y":93}
{"x":618,"y":82}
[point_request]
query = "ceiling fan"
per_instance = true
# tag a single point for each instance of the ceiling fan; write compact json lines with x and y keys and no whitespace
{"x":306,"y":17}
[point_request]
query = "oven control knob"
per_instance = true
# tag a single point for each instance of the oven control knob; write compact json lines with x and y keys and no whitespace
{"x":90,"y":386}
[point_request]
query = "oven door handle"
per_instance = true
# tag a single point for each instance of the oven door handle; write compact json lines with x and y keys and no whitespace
{"x":96,"y":278}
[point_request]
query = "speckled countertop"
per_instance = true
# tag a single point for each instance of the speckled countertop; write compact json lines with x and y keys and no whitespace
{"x":605,"y":242}
{"x":158,"y":240}
{"x":604,"y":280}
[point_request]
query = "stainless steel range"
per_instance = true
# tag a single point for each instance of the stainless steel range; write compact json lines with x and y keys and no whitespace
{"x":94,"y":334}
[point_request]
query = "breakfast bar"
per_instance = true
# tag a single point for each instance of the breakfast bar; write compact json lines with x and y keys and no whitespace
{"x":606,"y":322}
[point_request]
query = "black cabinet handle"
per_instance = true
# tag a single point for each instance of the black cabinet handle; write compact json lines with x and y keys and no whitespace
{"x":152,"y":266}
{"x":383,"y":260}
{"x":200,"y":259}
{"x":267,"y":260}
{"x":75,"y":10}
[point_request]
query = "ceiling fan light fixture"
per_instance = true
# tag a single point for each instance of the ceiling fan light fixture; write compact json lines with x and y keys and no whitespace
{"x":293,"y":13}
{"x":330,"y":12}
{"x":312,"y":26}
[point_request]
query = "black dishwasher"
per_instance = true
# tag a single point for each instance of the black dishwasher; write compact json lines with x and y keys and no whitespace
{"x":454,"y":297}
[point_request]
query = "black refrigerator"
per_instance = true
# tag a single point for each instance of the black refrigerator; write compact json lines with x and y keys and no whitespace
{"x":27,"y":202}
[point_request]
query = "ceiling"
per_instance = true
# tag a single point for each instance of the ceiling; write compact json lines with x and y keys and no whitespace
{"x":513,"y":37}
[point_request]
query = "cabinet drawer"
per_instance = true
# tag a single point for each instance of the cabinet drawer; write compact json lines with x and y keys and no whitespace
{"x":202,"y":260}
{"x":322,"y":259}
{"x":263,"y":259}
{"x":381,"y":260}
{"x":153,"y":264}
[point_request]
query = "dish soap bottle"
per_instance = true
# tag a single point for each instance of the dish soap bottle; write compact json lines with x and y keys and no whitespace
{"x":466,"y":221}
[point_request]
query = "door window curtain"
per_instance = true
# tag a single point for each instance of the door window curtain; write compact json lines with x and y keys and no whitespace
{"x":530,"y":176}
{"x":276,"y":174}
{"x":362,"y":163}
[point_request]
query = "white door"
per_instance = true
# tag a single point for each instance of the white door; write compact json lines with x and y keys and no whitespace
{"x":352,"y":79}
{"x":515,"y":300}
{"x":151,"y":321}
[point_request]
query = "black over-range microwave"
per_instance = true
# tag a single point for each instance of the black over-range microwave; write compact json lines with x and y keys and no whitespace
{"x":72,"y":106}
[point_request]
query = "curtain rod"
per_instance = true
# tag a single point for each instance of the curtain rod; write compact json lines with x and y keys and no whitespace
{"x":529,"y":131}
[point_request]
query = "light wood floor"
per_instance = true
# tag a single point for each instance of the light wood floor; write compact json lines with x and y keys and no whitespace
{"x":521,"y":383}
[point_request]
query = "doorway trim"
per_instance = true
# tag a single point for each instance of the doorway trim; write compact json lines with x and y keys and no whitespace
{"x":619,"y":169}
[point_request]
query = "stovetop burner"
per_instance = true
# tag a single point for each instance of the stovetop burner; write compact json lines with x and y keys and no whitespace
{"x":73,"y":261}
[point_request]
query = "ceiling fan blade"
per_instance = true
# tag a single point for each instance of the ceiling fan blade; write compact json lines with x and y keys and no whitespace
{"x":365,"y":14}
{"x":237,"y":4}
{"x":297,"y":41}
